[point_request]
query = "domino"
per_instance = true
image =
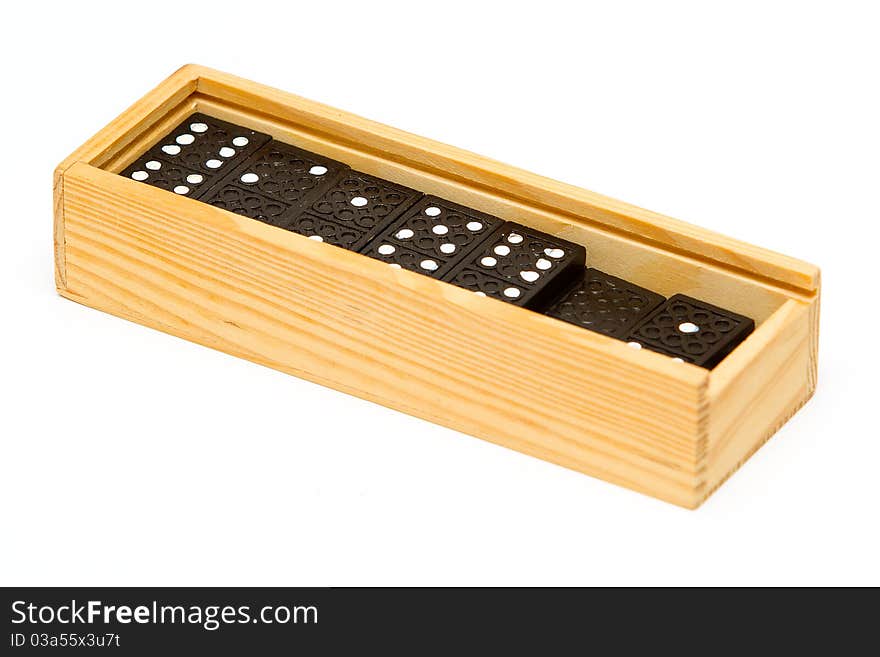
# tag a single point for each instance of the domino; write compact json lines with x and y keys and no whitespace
{"x":362,"y":203}
{"x":286,"y":173}
{"x":169,"y":176}
{"x":521,"y":265}
{"x":605,"y":304}
{"x":195,"y":154}
{"x":692,"y":331}
{"x":274,"y":183}
{"x":432,"y":236}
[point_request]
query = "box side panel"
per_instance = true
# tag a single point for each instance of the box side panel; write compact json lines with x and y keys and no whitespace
{"x":438,"y":352}
{"x":753,"y":395}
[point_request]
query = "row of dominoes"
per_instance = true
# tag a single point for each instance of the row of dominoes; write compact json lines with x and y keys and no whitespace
{"x":251,"y":174}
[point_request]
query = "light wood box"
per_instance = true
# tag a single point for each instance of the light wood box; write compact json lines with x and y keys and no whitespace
{"x":484,"y":367}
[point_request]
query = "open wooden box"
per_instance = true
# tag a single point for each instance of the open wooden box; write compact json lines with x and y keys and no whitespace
{"x":493,"y":370}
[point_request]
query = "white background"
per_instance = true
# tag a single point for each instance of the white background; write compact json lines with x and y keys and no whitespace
{"x":131,"y":457}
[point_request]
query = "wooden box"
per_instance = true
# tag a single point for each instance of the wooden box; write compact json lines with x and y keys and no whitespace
{"x":442,"y":353}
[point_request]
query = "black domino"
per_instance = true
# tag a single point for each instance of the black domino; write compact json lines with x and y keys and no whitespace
{"x":168,"y":175}
{"x":249,"y":203}
{"x":692,"y":330}
{"x":195,"y":155}
{"x":285,"y":173}
{"x":360,"y":204}
{"x":520,"y":265}
{"x":605,"y":304}
{"x":432,"y":236}
{"x":275,"y":184}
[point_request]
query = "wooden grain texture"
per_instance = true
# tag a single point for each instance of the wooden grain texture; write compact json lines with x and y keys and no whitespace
{"x":487,"y":368}
{"x":439,"y":352}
